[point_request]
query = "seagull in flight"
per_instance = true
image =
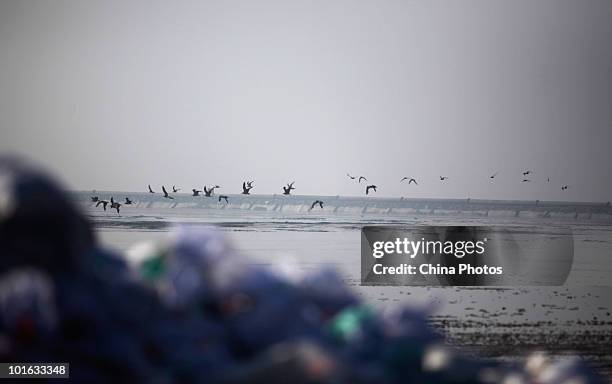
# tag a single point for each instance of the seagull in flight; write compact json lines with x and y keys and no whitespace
{"x":288,"y":188}
{"x":351,"y":177}
{"x":526,"y":181}
{"x":128,"y":201}
{"x":103,"y":202}
{"x":370,"y":187}
{"x":175,"y":189}
{"x":115,"y":205}
{"x":410,"y":180}
{"x":493,"y":175}
{"x":526,"y":173}
{"x":362,"y":178}
{"x":563,"y":188}
{"x":150,"y":190}
{"x":246,"y":187}
{"x":196,"y":192}
{"x":319,"y":202}
{"x":166,"y":195}
{"x":442,"y":178}
{"x":94,"y":199}
{"x":224,"y":198}
{"x":209,"y":192}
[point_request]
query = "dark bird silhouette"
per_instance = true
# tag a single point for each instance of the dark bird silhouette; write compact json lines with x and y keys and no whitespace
{"x":175,"y":189}
{"x":209,"y":192}
{"x":224,"y":198}
{"x":319,"y":202}
{"x":115,"y":205}
{"x":563,"y":188}
{"x":150,"y":190}
{"x":548,"y":179}
{"x":351,"y":177}
{"x":103,"y":202}
{"x":362,"y":178}
{"x":196,"y":192}
{"x":526,"y":173}
{"x":442,"y":178}
{"x":128,"y":201}
{"x":370,"y":187}
{"x":94,"y":199}
{"x":246,"y":188}
{"x":288,"y":188}
{"x":493,"y":175}
{"x":526,"y":181}
{"x":166,"y":195}
{"x":410,"y":180}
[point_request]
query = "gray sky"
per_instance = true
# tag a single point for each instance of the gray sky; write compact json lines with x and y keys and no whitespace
{"x":116,"y":95}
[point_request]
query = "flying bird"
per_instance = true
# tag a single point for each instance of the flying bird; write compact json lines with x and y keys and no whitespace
{"x":103,"y":202}
{"x":288,"y":188}
{"x":128,"y":201}
{"x":362,"y":178}
{"x":209,"y":192}
{"x":563,"y":188}
{"x":175,"y":189}
{"x":442,"y":178}
{"x":224,"y":198}
{"x":351,"y":177}
{"x":246,"y":187}
{"x":370,"y":187}
{"x":196,"y":192}
{"x":526,"y":173}
{"x":493,"y":175}
{"x":150,"y":190}
{"x":526,"y":181}
{"x":319,"y":202}
{"x":115,"y":205}
{"x":410,"y":180}
{"x":166,"y":195}
{"x":94,"y":199}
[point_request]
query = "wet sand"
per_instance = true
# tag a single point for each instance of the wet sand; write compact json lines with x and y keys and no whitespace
{"x":501,"y":323}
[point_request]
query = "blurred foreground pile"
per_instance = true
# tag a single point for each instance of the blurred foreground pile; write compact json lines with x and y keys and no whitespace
{"x":192,"y":310}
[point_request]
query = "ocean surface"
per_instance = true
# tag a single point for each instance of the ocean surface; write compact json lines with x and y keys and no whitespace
{"x":505,"y":322}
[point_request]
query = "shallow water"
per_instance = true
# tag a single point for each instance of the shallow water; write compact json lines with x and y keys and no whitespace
{"x":504,"y":322}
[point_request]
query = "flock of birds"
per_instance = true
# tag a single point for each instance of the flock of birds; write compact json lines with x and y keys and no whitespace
{"x":248,"y":185}
{"x":412,"y":180}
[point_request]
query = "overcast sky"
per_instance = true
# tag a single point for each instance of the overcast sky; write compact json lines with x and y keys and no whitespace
{"x":115,"y":95}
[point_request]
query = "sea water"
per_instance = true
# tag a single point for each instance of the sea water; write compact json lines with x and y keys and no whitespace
{"x":283,"y":232}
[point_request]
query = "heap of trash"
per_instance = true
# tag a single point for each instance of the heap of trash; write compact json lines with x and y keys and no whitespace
{"x":191,"y":309}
